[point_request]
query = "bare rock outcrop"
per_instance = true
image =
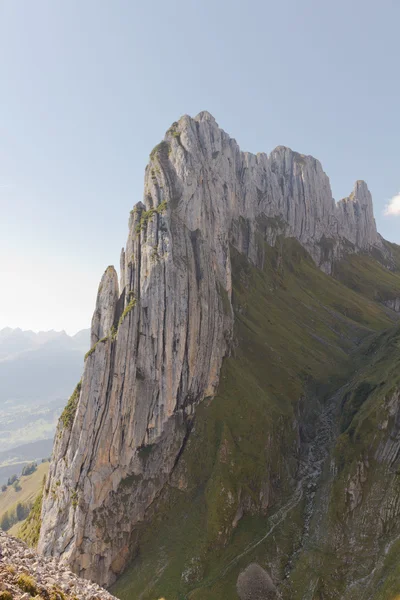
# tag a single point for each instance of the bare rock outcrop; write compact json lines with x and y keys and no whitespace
{"x":159,"y":341}
{"x":107,"y":298}
{"x":356,"y":221}
{"x":394,"y":304}
{"x":254,"y":583}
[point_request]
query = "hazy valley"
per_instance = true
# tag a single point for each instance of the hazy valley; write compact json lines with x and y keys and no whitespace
{"x":37,"y":373}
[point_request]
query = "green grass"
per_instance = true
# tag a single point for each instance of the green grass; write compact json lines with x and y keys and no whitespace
{"x":68,"y":415}
{"x":30,"y":486}
{"x":29,"y":530}
{"x":297,"y":332}
{"x":27,"y":584}
{"x":147,"y":215}
{"x":102,"y":341}
{"x":130,"y":306}
{"x":161,"y":149}
{"x":368,"y":277}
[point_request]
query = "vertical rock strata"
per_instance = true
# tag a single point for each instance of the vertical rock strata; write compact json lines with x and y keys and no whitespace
{"x":158,"y":342}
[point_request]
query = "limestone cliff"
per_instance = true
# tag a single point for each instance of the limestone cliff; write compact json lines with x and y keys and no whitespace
{"x":159,"y":340}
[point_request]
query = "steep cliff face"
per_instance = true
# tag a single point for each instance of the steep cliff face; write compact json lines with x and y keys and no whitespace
{"x":271,"y":465}
{"x":356,"y":221}
{"x":159,"y":340}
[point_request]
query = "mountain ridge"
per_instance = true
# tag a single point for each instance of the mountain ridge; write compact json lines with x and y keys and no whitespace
{"x":16,"y":340}
{"x":212,"y":218}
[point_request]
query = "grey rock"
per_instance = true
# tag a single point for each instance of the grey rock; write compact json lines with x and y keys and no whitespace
{"x":254,"y":583}
{"x":394,"y":304}
{"x":107,"y":297}
{"x":15,"y":554}
{"x":174,"y":318}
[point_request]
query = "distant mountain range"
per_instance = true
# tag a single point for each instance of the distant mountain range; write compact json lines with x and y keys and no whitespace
{"x":38,"y":372}
{"x":14,"y":342}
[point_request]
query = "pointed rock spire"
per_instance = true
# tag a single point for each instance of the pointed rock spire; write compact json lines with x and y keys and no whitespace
{"x":107,"y":297}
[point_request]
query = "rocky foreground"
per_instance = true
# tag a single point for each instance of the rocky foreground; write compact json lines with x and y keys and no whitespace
{"x":25,"y":574}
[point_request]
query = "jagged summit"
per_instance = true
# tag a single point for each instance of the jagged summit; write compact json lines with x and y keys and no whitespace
{"x":361,"y":190}
{"x":283,"y":185}
{"x":204,"y":115}
{"x":281,"y":155}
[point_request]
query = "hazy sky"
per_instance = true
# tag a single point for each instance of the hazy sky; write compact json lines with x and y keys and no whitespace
{"x":88,"y":87}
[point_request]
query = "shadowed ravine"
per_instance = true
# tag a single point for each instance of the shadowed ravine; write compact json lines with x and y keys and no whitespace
{"x":313,"y":464}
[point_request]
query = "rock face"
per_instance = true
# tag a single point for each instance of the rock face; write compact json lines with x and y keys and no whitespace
{"x":393,"y":304}
{"x":107,"y":298}
{"x":355,"y":216}
{"x":159,"y":341}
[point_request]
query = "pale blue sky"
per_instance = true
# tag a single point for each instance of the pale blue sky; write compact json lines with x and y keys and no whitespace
{"x":88,"y":87}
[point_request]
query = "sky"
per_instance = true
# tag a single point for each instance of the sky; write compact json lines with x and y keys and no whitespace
{"x":88,"y":88}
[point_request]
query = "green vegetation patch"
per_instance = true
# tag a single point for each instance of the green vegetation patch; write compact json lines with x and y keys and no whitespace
{"x":30,"y":530}
{"x":19,"y":513}
{"x":130,"y":306}
{"x":68,"y":415}
{"x":365,"y":275}
{"x":149,"y":214}
{"x":74,"y":499}
{"x":93,"y":348}
{"x":29,"y":469}
{"x":17,"y":501}
{"x":162,"y":149}
{"x":27,"y":584}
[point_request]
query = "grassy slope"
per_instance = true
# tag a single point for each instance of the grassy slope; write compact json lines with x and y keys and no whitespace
{"x":295,"y":328}
{"x":29,"y":530}
{"x":369,"y":278}
{"x":30,"y":487}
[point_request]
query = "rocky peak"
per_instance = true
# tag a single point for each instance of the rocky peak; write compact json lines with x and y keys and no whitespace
{"x":204,"y":115}
{"x":285,"y":185}
{"x":107,"y":297}
{"x":356,"y":218}
{"x":165,"y":333}
{"x":362,"y":193}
